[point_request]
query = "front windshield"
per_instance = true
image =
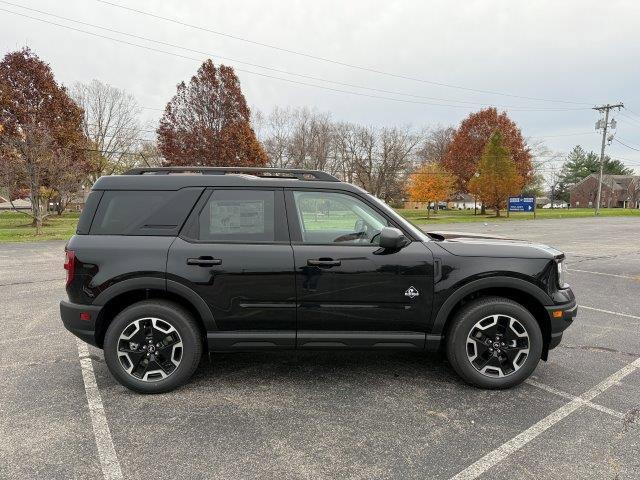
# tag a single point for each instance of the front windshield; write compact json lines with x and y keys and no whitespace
{"x":413,"y":228}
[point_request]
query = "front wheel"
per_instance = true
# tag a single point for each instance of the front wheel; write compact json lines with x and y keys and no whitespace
{"x":152,"y":346}
{"x":494,"y":342}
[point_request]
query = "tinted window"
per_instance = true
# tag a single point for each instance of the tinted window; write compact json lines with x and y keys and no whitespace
{"x":89,"y":210}
{"x":238,"y":216}
{"x":329,"y":217}
{"x":146,"y":212}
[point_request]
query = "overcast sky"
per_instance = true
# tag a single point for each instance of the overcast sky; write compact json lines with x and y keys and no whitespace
{"x":581,"y":51}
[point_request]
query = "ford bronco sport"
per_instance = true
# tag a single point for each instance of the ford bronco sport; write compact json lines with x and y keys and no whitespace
{"x":168,"y":263}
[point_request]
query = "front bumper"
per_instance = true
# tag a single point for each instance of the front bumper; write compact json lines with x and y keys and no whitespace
{"x":561,"y":317}
{"x":72,"y":320}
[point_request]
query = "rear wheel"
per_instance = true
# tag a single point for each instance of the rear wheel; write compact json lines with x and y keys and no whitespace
{"x":153,"y":346}
{"x":494,"y":343}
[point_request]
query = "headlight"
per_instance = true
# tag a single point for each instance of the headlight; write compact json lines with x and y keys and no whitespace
{"x":562,"y":272}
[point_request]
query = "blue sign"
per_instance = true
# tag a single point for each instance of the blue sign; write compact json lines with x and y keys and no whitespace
{"x":522,"y":204}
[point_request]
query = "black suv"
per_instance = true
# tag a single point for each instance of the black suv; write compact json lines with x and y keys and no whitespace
{"x":170,"y":262}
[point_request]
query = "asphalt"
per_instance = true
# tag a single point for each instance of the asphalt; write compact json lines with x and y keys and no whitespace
{"x":332,"y":415}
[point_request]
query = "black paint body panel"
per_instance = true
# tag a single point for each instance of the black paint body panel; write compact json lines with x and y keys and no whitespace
{"x":366,"y":292}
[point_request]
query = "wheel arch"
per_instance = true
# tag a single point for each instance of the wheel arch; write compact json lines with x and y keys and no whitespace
{"x":526,"y":294}
{"x":126,"y":293}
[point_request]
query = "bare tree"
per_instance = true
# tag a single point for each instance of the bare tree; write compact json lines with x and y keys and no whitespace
{"x":435,"y":145}
{"x":111,"y":124}
{"x":546,"y":172}
{"x":276,"y":131}
{"x":377,"y":159}
{"x":148,"y":155}
{"x":384,"y":173}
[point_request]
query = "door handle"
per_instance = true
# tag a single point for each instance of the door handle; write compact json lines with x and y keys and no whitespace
{"x":204,"y":261}
{"x":324,"y":262}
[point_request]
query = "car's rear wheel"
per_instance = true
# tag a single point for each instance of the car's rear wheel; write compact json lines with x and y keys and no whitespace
{"x":153,"y":346}
{"x":494,"y":342}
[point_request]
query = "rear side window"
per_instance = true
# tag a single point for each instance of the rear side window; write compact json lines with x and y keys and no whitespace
{"x":89,"y":210}
{"x":148,"y":212}
{"x":238,"y":216}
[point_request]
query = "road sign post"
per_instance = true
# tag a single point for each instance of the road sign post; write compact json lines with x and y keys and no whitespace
{"x":522,"y":204}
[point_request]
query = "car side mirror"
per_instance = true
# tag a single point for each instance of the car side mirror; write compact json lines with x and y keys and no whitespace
{"x":392,"y":238}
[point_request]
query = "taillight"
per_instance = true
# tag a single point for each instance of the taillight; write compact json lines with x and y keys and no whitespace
{"x":70,"y":265}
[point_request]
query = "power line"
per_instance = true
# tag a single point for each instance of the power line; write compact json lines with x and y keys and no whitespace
{"x":562,"y":135}
{"x":335,"y":62}
{"x":511,"y":107}
{"x":277,"y":70}
{"x":631,"y":120}
{"x":632,"y":112}
{"x":628,"y":146}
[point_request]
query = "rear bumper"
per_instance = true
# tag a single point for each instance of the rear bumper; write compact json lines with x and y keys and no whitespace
{"x":561,"y":317}
{"x":83,"y":329}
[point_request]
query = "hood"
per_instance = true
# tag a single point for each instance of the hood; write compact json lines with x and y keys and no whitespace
{"x":481,"y":245}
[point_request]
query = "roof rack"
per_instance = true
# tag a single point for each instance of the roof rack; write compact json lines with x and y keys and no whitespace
{"x":300,"y":174}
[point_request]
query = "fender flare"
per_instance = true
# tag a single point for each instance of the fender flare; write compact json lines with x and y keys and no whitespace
{"x":124,"y":286}
{"x":157,"y":283}
{"x":481,"y":284}
{"x":196,"y":300}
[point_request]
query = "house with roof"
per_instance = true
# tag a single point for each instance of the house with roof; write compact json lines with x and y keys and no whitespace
{"x":457,"y":201}
{"x":618,"y":191}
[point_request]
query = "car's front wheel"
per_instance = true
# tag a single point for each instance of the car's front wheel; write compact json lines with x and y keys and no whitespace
{"x":494,"y":342}
{"x":152,"y":346}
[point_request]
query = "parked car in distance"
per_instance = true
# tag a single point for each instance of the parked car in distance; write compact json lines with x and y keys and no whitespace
{"x":169,"y":263}
{"x":556,"y":205}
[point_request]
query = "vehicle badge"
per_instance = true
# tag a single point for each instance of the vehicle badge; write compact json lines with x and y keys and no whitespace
{"x":411,"y":292}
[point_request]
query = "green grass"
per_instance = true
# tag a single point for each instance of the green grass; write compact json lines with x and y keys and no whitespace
{"x":16,"y":227}
{"x":466,"y":216}
{"x":334,"y":221}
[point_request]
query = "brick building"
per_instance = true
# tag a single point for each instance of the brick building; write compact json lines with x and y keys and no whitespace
{"x":618,"y":191}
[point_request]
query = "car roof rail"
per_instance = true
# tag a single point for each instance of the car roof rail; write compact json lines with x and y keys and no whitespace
{"x":300,"y":174}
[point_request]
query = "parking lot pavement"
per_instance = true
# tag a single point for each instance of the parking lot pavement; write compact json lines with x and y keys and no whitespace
{"x":337,"y":414}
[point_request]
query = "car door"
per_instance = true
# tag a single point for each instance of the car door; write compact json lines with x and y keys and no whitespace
{"x":235,"y":253}
{"x":351,"y":292}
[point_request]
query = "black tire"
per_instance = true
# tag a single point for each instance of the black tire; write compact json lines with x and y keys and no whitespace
{"x":168,"y":313}
{"x":460,"y":354}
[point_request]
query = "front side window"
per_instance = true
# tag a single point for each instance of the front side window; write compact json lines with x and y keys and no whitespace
{"x":238,"y":216}
{"x":331,"y":217}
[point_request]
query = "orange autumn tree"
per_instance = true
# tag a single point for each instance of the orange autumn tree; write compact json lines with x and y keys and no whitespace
{"x":430,"y":183}
{"x":471,"y":137}
{"x":498,"y":176}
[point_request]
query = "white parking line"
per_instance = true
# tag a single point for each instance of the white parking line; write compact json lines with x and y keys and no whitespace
{"x":610,"y":312}
{"x":569,"y":270}
{"x":503,"y":451}
{"x":568,"y":396}
{"x":106,"y":451}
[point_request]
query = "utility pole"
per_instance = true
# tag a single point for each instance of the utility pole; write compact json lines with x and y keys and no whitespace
{"x":604,"y":126}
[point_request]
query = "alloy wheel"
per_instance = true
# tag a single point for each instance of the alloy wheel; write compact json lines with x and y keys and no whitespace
{"x":149,"y":349}
{"x":498,"y":345}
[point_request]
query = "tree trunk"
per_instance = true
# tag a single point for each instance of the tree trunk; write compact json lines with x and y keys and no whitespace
{"x":428,"y":210}
{"x":483,"y":211}
{"x":36,"y":212}
{"x":38,"y":221}
{"x":497,"y":212}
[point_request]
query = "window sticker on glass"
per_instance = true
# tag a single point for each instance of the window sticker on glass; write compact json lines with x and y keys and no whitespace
{"x":236,"y":216}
